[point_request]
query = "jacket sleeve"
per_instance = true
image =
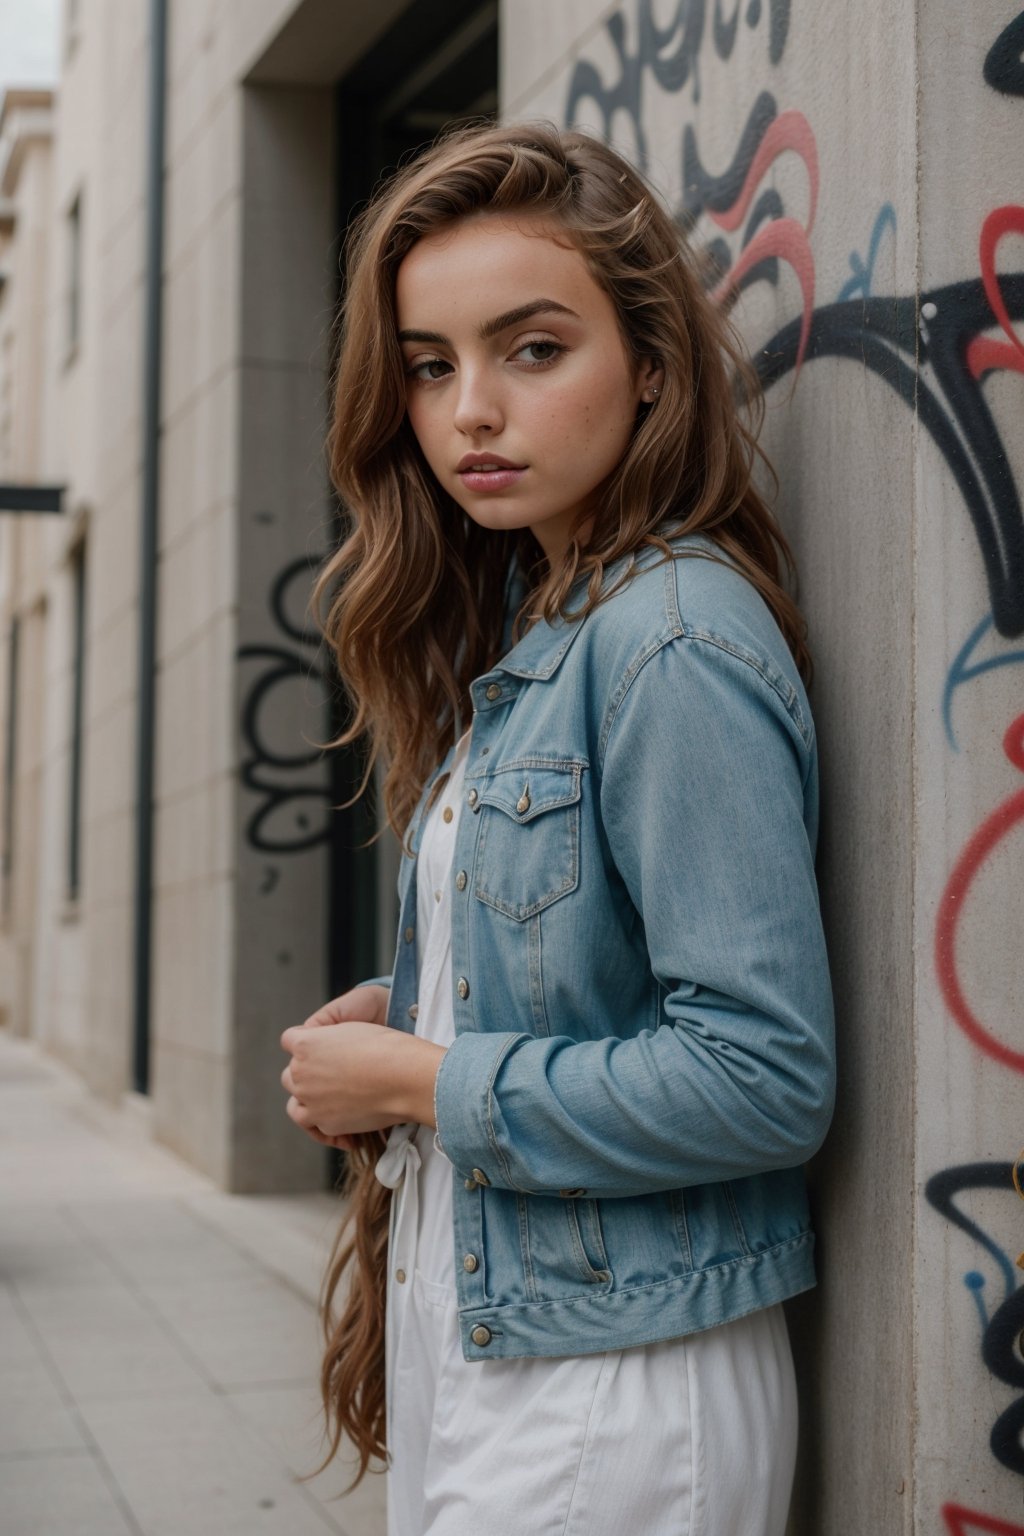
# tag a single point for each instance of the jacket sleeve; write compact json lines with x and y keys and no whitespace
{"x":708,"y":795}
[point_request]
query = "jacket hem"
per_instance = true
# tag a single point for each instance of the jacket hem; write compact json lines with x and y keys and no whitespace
{"x":684,"y":1304}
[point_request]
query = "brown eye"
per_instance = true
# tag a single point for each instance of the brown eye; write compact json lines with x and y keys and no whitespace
{"x":430,"y":362}
{"x":553,"y":347}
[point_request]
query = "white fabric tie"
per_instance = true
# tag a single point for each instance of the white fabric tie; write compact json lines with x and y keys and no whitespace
{"x":400,"y":1157}
{"x":401,"y":1150}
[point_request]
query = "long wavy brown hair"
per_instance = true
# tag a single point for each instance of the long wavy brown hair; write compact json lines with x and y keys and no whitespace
{"x":415,"y":594}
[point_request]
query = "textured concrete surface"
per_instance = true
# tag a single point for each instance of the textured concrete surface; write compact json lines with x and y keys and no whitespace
{"x":159,"y":1343}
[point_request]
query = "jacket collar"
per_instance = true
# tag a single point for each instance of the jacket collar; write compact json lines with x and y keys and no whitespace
{"x":542,"y":649}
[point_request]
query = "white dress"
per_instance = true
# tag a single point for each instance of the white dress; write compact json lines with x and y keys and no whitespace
{"x":693,"y":1436}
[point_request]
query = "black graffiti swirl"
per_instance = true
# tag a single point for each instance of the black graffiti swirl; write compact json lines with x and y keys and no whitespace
{"x":1000,"y":1345}
{"x":291,"y":815}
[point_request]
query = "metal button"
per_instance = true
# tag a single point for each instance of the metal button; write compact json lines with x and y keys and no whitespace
{"x":414,"y":1010}
{"x":462,"y":987}
{"x":460,"y":880}
{"x":494,"y":691}
{"x":570,"y":1194}
{"x":481,"y":1335}
{"x":410,"y":934}
{"x":523,"y":803}
{"x":470,"y":1262}
{"x":480,"y":1177}
{"x":400,"y":1276}
{"x":447,"y":813}
{"x":470,"y":1183}
{"x":472,"y":797}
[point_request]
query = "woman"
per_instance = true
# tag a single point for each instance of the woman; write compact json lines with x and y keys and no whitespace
{"x":560,"y":618}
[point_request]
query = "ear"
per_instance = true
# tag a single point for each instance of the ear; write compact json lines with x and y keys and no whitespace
{"x":650,"y":380}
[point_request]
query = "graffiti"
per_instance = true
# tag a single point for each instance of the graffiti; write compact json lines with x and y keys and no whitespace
{"x":984,"y":355}
{"x":942,"y":1189}
{"x":931,"y":349}
{"x":726,"y":200}
{"x":671,"y":54}
{"x":960,"y":672}
{"x":999,"y":1346}
{"x":1004,"y":63}
{"x":970,"y":1522}
{"x":977,"y":851}
{"x":859,"y":283}
{"x":882,"y":334}
{"x":292,"y":814}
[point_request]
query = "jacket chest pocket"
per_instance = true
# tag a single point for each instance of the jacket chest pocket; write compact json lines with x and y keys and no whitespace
{"x":528,"y":849}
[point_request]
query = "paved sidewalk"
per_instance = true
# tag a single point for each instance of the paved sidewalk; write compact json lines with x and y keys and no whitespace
{"x":159,"y":1345}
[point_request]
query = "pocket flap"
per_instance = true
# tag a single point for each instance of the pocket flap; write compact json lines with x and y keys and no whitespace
{"x":530,"y":787}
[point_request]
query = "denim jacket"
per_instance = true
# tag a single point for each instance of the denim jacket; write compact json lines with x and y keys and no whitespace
{"x":643,"y":1056}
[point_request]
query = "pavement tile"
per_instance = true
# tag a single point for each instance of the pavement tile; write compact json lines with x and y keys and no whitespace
{"x":158,"y":1242}
{"x":34,"y":1415}
{"x":104,"y":1340}
{"x":60,"y":1496}
{"x":254,"y":1330}
{"x":290,"y":1420}
{"x":189,"y":1465}
{"x":42,"y":1244}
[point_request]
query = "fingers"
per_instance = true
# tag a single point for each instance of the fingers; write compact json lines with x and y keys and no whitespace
{"x":343,"y":1143}
{"x":360,"y":1005}
{"x":365,"y":1005}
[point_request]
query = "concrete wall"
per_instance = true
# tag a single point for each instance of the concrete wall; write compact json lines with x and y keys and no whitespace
{"x":969,"y":758}
{"x":853,"y":165}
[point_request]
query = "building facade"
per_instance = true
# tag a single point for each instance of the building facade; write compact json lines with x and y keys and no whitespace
{"x":165,"y":355}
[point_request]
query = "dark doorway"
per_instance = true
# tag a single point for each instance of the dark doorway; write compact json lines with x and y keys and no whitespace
{"x":437,"y":64}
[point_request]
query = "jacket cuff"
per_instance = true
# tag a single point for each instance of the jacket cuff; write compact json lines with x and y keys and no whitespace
{"x":464,"y":1105}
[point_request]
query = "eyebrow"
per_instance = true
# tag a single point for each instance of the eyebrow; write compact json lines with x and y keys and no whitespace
{"x":498,"y":324}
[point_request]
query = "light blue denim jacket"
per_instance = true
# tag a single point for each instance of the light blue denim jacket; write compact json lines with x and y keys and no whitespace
{"x":643,"y":1057}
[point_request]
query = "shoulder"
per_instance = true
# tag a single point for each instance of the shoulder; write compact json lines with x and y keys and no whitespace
{"x":697,"y":602}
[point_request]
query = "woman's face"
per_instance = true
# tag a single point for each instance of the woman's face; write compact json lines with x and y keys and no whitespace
{"x":512,"y":354}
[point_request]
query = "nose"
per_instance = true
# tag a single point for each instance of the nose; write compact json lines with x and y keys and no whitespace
{"x":477,"y":406}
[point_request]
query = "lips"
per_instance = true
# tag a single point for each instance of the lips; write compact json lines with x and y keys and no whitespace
{"x":485,"y":462}
{"x":477,"y":477}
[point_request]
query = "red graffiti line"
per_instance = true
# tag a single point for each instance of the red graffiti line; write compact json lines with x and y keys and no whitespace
{"x":964,"y":1522}
{"x":991,"y":832}
{"x":983,"y":354}
{"x":787,"y":238}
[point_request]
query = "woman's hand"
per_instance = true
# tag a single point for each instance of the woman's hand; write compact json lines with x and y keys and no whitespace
{"x":348,"y":1078}
{"x":368,"y":1005}
{"x":359,"y":1004}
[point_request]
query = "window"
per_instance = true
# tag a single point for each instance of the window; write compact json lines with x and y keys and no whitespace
{"x":74,"y":301}
{"x":10,"y":743}
{"x":74,"y":859}
{"x":72,"y":26}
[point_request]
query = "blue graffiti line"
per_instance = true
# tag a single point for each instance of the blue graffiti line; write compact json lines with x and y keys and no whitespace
{"x":858,"y":285}
{"x":975,"y":1283}
{"x":959,"y":672}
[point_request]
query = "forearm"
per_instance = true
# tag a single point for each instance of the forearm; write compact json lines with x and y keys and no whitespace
{"x":409,"y":1092}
